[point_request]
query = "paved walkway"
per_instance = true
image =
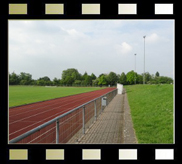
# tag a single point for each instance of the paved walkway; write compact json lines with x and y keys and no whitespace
{"x":113,"y":126}
{"x":109,"y":126}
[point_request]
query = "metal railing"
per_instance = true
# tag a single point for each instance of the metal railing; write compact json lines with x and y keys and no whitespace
{"x":68,"y":127}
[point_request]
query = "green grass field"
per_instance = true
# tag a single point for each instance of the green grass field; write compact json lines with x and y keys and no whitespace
{"x":19,"y":95}
{"x":152,"y":112}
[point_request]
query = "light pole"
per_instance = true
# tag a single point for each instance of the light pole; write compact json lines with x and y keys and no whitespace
{"x":135,"y":68}
{"x":144,"y":62}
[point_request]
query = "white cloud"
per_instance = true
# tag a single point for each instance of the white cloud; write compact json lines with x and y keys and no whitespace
{"x":98,"y":46}
{"x":73,"y":32}
{"x":124,"y":48}
{"x":152,"y":38}
{"x":39,"y":41}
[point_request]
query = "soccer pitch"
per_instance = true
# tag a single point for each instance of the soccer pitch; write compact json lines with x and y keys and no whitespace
{"x":20,"y":95}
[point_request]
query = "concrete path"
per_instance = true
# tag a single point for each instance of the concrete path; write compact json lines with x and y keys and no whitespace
{"x":109,"y":125}
{"x":113,"y":126}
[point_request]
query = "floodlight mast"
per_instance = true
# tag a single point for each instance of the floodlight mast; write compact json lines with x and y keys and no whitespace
{"x":144,"y":62}
{"x":135,"y":68}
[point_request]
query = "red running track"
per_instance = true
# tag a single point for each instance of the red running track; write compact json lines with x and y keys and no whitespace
{"x":27,"y":117}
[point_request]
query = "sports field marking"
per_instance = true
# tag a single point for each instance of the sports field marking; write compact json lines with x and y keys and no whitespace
{"x":43,"y":119}
{"x":45,"y":106}
{"x":22,"y":95}
{"x":76,"y":98}
{"x":79,"y":99}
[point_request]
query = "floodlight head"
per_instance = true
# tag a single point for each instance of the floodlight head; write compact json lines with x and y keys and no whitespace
{"x":144,"y":36}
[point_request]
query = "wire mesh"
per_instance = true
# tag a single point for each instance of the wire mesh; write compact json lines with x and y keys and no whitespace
{"x":99,"y":106}
{"x":72,"y":126}
{"x":44,"y":135}
{"x":89,"y":114}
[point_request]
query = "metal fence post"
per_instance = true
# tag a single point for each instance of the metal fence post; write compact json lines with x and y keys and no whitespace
{"x":100,"y":108}
{"x":83,"y":119}
{"x":101,"y":104}
{"x":107,"y":99}
{"x":95,"y":107}
{"x":57,"y":131}
{"x":30,"y":132}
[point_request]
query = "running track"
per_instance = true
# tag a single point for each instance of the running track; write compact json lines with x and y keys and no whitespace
{"x":27,"y":117}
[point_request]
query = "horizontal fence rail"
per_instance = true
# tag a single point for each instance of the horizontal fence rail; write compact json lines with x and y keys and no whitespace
{"x":70,"y":126}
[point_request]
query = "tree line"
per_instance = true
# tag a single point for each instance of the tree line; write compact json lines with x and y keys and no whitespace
{"x":71,"y":77}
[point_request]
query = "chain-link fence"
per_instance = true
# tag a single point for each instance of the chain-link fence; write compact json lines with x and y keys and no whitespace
{"x":68,"y":127}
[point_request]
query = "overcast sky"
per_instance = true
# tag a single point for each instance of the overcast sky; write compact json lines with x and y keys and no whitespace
{"x":47,"y":47}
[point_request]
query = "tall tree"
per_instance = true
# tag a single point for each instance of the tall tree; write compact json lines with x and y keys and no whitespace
{"x":14,"y":79}
{"x":44,"y":81}
{"x":70,"y":75}
{"x":157,"y":74}
{"x":69,"y":81}
{"x":147,"y":77}
{"x":77,"y":82}
{"x":122,"y":78}
{"x":130,"y":77}
{"x":95,"y":82}
{"x":45,"y":78}
{"x":84,"y":76}
{"x":101,"y":75}
{"x":139,"y":79}
{"x":112,"y":78}
{"x":93,"y":76}
{"x":25,"y":78}
{"x":72,"y":72}
{"x":102,"y":80}
{"x":88,"y":80}
{"x":165,"y":80}
{"x":56,"y":81}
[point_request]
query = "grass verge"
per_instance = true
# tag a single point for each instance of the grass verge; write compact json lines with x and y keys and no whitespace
{"x":152,"y":112}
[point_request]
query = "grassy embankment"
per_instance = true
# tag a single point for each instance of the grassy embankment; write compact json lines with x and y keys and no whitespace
{"x":19,"y":95}
{"x":152,"y":112}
